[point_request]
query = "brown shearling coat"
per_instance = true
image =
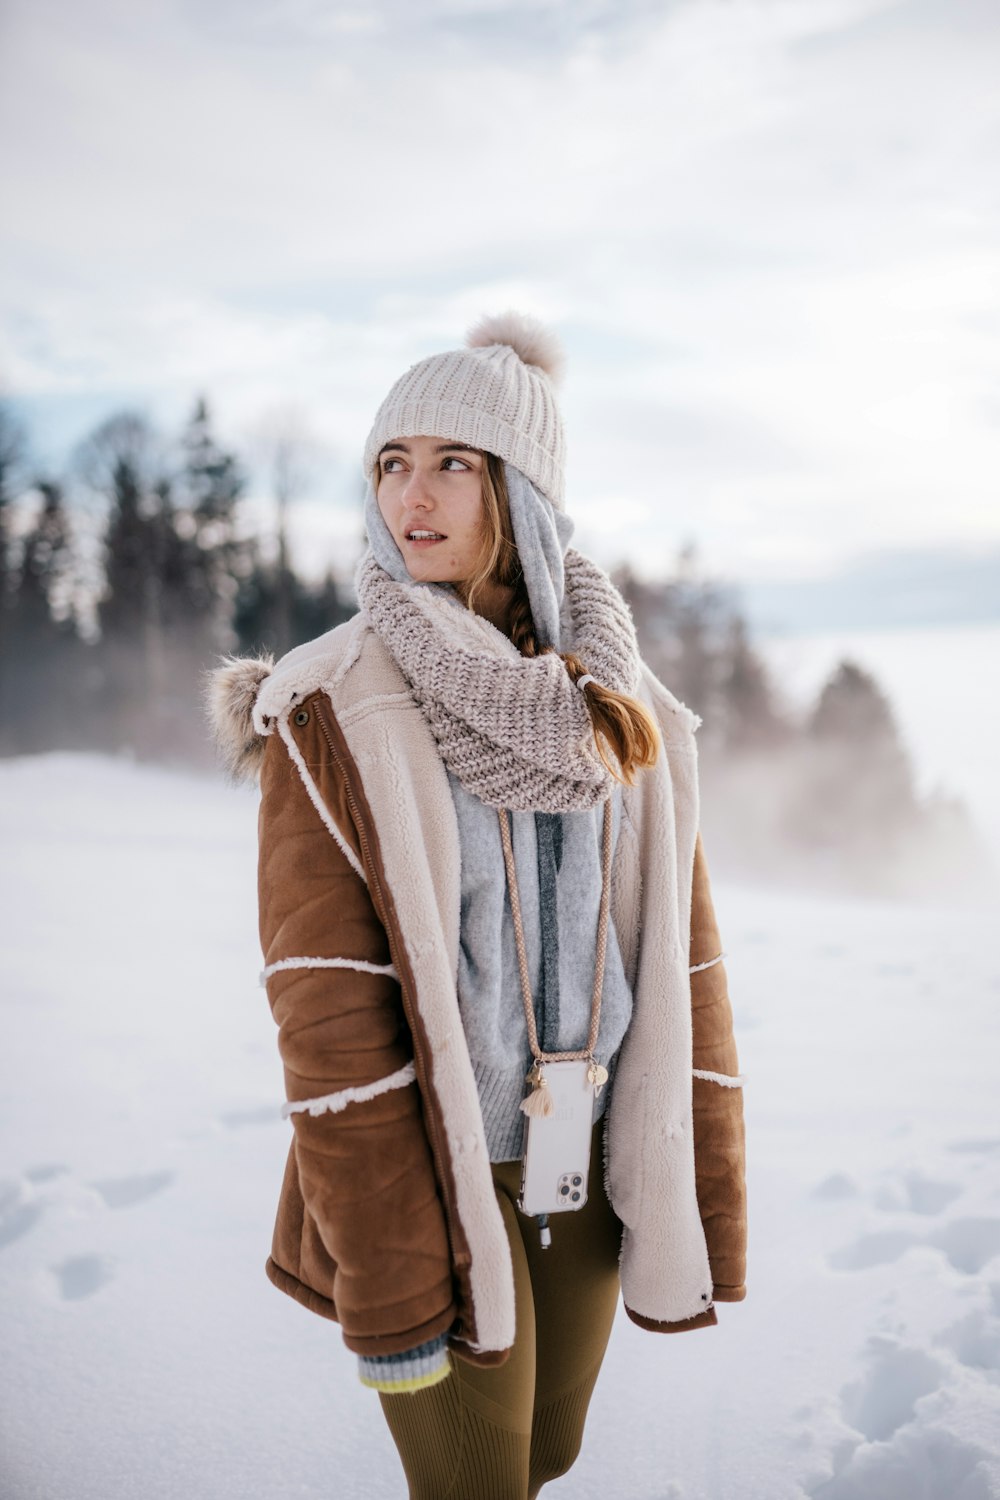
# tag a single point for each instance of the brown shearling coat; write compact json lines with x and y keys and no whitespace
{"x":371,"y":1223}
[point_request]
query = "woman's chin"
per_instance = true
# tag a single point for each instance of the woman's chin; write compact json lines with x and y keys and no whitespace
{"x":423,"y":570}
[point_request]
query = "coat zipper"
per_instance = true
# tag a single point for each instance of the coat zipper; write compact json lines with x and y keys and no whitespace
{"x":409,"y":1001}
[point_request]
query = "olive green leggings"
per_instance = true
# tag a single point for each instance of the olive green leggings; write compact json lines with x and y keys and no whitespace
{"x":501,"y":1433}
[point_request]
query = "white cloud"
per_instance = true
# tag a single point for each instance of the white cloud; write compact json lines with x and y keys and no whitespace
{"x":766,"y":229}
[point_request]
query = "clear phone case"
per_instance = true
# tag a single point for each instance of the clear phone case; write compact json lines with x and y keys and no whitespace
{"x":556,"y":1160}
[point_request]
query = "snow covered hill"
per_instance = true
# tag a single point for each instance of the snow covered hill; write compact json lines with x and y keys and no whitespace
{"x":145,"y":1353}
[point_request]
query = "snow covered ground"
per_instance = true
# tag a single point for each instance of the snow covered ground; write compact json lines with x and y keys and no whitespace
{"x":145,"y":1353}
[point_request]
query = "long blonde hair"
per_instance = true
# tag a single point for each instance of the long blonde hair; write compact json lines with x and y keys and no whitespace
{"x":621,"y":723}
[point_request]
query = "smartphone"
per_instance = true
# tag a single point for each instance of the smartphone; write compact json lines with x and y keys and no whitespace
{"x":556,"y":1162}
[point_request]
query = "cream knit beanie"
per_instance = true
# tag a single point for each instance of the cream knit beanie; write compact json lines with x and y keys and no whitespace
{"x":496,"y":393}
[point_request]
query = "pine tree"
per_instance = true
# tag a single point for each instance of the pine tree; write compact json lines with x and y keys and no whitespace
{"x":47,"y":666}
{"x":263,"y":605}
{"x":853,"y":796}
{"x":122,"y":461}
{"x":693,"y":638}
{"x":211,"y":482}
{"x":13,"y":447}
{"x":319,"y":608}
{"x":288,"y":455}
{"x":169,"y":553}
{"x":752,"y":720}
{"x":853,"y":710}
{"x":41,"y":595}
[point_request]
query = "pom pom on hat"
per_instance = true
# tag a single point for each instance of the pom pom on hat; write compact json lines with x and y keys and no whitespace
{"x":532,"y":342}
{"x":496,"y":393}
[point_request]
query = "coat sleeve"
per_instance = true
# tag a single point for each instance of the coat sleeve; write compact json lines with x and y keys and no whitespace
{"x":718,"y":1105}
{"x":361,"y":1150}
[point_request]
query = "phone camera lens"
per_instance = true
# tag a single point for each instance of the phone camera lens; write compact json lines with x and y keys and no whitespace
{"x":577,"y":1181}
{"x":564,"y":1189}
{"x":576,"y":1198}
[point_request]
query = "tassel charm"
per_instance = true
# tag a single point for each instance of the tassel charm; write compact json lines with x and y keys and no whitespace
{"x":539,"y":1101}
{"x":597,"y":1075}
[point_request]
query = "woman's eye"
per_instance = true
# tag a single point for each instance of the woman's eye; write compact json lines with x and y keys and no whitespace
{"x":387,"y":465}
{"x":453,"y":460}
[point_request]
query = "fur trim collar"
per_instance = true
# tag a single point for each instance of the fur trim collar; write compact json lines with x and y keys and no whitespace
{"x":244,"y":695}
{"x":230,"y":694}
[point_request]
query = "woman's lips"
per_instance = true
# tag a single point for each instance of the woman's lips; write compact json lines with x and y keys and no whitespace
{"x":421,"y":542}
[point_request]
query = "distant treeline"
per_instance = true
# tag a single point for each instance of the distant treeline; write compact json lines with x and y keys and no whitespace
{"x":111,"y":609}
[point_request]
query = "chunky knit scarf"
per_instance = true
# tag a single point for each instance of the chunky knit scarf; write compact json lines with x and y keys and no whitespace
{"x":514,"y":730}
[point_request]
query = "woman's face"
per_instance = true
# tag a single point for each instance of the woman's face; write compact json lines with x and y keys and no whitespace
{"x":430,"y":493}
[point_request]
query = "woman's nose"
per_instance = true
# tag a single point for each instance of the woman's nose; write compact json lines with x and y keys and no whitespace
{"x":417,"y":490}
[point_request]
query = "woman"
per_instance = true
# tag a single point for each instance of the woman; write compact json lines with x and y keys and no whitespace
{"x":479,"y":850}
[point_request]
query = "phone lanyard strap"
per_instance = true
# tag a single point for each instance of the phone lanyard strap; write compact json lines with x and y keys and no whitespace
{"x":538,"y":1101}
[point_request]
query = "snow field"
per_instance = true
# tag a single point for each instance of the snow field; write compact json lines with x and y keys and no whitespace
{"x":142,"y":1151}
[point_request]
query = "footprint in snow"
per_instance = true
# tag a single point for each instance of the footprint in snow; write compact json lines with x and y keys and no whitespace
{"x":975,"y":1342}
{"x":917,"y":1194}
{"x":873,"y":1250}
{"x":928,"y":1196}
{"x":81,"y":1276}
{"x":901,"y":1454}
{"x":45,"y":1171}
{"x":883,"y":1400}
{"x":836,"y":1187}
{"x":920,"y":1463}
{"x":979,"y":1146}
{"x":18,"y":1213}
{"x":969,"y":1244}
{"x":122,"y":1192}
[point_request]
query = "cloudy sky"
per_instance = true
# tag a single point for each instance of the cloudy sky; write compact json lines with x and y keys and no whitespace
{"x":766,"y":231}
